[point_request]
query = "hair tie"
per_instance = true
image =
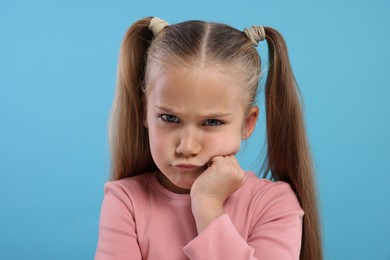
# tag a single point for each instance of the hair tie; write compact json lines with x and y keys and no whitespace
{"x":255,"y":34}
{"x":156,"y":25}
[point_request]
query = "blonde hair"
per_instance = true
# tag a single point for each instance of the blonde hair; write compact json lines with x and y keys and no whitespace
{"x":198,"y":43}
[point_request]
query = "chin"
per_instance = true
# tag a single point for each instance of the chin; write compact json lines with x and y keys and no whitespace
{"x":184,"y":184}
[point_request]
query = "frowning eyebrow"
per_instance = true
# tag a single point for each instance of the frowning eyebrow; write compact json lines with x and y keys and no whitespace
{"x":209,"y":114}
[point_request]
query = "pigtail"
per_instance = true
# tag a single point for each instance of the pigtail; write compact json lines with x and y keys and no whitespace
{"x":128,"y":136}
{"x":289,"y":157}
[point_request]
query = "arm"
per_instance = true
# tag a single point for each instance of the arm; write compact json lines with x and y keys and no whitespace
{"x":277,"y":227}
{"x":278,"y":239}
{"x":275,"y":232}
{"x":211,"y":189}
{"x":117,"y":234}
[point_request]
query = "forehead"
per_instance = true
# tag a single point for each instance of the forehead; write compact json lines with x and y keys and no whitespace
{"x":206,"y":88}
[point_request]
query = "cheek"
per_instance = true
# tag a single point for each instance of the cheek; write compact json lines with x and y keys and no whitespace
{"x":224,"y":144}
{"x":158,"y":140}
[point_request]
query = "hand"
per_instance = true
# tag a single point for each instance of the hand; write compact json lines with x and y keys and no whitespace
{"x":211,"y":189}
{"x":222,"y":177}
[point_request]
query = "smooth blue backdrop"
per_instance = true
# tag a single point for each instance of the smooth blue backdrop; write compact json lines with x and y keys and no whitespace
{"x":57,"y":77}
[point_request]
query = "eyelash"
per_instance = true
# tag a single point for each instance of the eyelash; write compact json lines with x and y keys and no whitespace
{"x":218,"y":122}
{"x":174,"y":119}
{"x":169,"y":118}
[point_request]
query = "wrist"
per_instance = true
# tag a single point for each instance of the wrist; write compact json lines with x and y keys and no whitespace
{"x":206,"y":210}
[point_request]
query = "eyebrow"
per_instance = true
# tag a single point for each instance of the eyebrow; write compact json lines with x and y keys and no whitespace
{"x":210,"y":114}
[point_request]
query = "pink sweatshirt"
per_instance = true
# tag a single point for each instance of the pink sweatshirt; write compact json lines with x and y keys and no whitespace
{"x":140,"y":219}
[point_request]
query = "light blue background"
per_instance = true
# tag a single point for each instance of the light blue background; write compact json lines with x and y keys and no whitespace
{"x":57,"y":76}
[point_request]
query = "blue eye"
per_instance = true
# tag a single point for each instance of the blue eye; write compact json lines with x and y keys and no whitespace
{"x":213,"y":122}
{"x":169,"y":118}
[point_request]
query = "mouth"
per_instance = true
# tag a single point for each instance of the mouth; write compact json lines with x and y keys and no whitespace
{"x":186,"y":167}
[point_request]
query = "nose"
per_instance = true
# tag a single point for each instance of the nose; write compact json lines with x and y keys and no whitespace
{"x":188,"y":145}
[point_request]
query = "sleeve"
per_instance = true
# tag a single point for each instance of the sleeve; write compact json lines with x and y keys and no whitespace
{"x":275,"y":233}
{"x":117,"y":233}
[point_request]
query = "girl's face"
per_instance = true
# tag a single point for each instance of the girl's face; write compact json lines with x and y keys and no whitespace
{"x":193,"y":115}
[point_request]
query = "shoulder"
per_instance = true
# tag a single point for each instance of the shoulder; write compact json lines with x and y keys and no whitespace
{"x":267,"y":197}
{"x":273,"y":190}
{"x":125,"y":189}
{"x":129,"y":183}
{"x":256,"y":186}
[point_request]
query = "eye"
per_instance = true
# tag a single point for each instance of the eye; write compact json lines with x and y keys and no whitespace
{"x":169,"y":118}
{"x":213,"y":122}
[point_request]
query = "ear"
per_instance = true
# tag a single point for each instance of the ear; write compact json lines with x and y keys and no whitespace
{"x":250,"y":122}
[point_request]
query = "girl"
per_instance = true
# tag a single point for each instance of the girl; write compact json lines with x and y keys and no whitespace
{"x":184,"y":101}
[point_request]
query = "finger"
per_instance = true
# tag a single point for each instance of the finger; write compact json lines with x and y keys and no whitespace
{"x":234,"y":163}
{"x":216,"y":160}
{"x":231,"y":160}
